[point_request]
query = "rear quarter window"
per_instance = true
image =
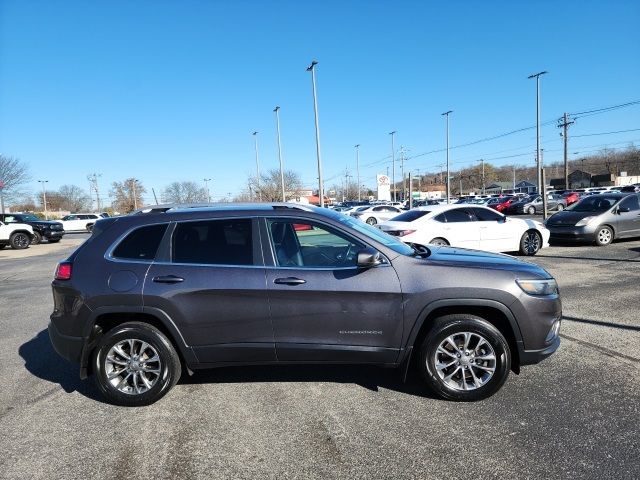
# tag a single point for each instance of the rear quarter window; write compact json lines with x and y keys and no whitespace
{"x":141,"y":244}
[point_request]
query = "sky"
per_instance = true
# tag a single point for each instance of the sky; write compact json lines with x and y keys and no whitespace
{"x":172,"y":91}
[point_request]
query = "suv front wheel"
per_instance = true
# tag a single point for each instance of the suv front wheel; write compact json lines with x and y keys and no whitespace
{"x":464,"y":358}
{"x":135,"y":364}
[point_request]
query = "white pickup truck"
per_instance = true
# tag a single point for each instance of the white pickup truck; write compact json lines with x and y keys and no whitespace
{"x":17,"y":235}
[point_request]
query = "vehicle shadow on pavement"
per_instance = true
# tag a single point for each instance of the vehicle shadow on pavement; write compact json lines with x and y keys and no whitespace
{"x":366,"y":376}
{"x":43,"y":362}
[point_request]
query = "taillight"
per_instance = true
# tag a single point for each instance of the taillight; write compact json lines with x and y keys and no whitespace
{"x":402,"y":233}
{"x":63,"y":271}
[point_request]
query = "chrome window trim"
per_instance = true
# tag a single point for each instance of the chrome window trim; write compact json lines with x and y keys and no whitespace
{"x":109,"y":253}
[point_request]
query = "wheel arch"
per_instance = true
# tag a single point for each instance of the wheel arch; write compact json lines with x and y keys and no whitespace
{"x":496,"y":313}
{"x":106,"y":318}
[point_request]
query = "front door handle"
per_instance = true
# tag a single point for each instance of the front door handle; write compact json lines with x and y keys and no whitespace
{"x":168,"y":279}
{"x":289,"y":281}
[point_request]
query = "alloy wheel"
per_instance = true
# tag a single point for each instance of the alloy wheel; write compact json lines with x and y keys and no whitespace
{"x":531,"y":242}
{"x":132,"y":366}
{"x":604,"y":236}
{"x":465,"y":361}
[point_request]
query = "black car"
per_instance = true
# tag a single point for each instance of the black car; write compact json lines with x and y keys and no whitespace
{"x":279,"y":284}
{"x":533,"y":204}
{"x":42,"y":229}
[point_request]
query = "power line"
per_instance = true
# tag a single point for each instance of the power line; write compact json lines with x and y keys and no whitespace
{"x":605,"y":109}
{"x":606,"y":133}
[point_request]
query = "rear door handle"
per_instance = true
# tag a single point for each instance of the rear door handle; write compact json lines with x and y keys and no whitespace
{"x":168,"y":279}
{"x":289,"y":281}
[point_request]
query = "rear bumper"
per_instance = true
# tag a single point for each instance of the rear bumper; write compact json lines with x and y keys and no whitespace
{"x":530,"y":357}
{"x":68,"y":347}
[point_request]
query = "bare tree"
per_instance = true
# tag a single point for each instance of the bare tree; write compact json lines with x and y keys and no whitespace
{"x":127,"y":195}
{"x":73,"y":198}
{"x":15,"y":176}
{"x":184,"y":192}
{"x":270,"y":187}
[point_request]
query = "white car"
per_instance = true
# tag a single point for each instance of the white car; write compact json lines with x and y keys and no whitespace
{"x":376,"y":214}
{"x":79,"y":222}
{"x":469,"y":226}
{"x":17,"y":235}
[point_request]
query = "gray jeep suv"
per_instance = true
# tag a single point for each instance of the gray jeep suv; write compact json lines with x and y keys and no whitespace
{"x":152,"y":293}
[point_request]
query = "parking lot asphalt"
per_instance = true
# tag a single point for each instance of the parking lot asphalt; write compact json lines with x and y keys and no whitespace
{"x":575,"y":415}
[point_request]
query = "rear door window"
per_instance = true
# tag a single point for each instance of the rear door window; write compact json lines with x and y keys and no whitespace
{"x":141,"y":244}
{"x":214,"y":242}
{"x":485,"y":215}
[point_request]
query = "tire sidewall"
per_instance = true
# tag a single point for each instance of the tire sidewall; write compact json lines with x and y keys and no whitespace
{"x":37,"y":238}
{"x":465,"y":324}
{"x":165,"y":351}
{"x":372,"y":221}
{"x":523,"y":251}
{"x":530,"y":212}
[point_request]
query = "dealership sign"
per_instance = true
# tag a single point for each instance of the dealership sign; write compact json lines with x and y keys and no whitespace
{"x":384,"y":187}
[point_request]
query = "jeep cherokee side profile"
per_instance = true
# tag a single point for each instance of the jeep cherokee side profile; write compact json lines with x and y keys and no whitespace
{"x":151,"y":293}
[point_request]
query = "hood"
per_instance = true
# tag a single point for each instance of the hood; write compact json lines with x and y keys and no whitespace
{"x":462,"y":257}
{"x":45,"y":223}
{"x":569,"y":218}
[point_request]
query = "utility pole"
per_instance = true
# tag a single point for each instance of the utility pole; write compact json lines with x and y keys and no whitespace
{"x":446,"y":114}
{"x":277,"y":110}
{"x":93,"y":181}
{"x":564,"y":123}
{"x":460,"y":180}
{"x":358,"y":168}
{"x":538,"y":158}
{"x":410,"y":191}
{"x":514,"y":179}
{"x":404,"y":183}
{"x":312,"y":68}
{"x":154,"y":195}
{"x":346,"y":185}
{"x":206,"y":186}
{"x":44,"y":198}
{"x":135,"y":194}
{"x":255,"y":137}
{"x":393,"y":164}
{"x":1,"y":197}
{"x":483,"y":183}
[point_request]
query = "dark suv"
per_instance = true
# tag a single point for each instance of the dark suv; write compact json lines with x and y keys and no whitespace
{"x":49,"y":230}
{"x":150,"y":293}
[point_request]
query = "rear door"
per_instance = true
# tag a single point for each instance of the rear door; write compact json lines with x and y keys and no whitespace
{"x":323,"y":307}
{"x":211,"y":283}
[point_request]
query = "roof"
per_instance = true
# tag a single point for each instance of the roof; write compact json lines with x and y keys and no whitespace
{"x":216,"y":207}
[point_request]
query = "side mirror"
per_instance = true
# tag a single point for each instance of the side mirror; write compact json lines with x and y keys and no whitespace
{"x":502,"y":220}
{"x":368,"y":257}
{"x":623,"y":209}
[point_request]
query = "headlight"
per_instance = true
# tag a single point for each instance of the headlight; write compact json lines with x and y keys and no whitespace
{"x":585,"y":221}
{"x":538,"y":287}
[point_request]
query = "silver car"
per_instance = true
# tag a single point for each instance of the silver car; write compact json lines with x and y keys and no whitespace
{"x":598,"y":218}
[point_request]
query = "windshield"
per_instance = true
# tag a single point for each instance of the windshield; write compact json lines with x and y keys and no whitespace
{"x":410,"y":216}
{"x":372,"y":232}
{"x":594,"y":203}
{"x":27,"y":218}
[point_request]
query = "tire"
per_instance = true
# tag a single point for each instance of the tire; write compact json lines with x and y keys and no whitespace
{"x":133,"y":391}
{"x":439,"y":241}
{"x":19,"y":241}
{"x":560,"y":207}
{"x":530,"y":243}
{"x":484,"y":339}
{"x":37,"y":238}
{"x":604,"y":236}
{"x":372,"y":221}
{"x":531,"y":210}
{"x":89,"y":227}
{"x":55,"y":240}
{"x":2,"y":246}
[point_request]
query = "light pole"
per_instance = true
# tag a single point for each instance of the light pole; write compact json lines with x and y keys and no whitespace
{"x":311,"y":68}
{"x":1,"y":196}
{"x":44,"y":198}
{"x":538,"y":162}
{"x":393,"y":164}
{"x":483,"y":183}
{"x":358,"y":169}
{"x":255,"y":137}
{"x":206,"y":186}
{"x":277,"y":112}
{"x":446,"y":114}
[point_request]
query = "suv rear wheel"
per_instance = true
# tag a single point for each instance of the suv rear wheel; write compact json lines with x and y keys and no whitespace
{"x":19,"y":241}
{"x":135,"y":364}
{"x":464,"y":358}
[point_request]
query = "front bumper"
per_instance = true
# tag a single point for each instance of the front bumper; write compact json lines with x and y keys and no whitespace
{"x":53,"y":234}
{"x":531,"y":357}
{"x":571,"y":233}
{"x":68,"y":347}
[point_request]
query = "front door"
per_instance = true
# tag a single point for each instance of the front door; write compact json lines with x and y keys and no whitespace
{"x":629,"y":222}
{"x":323,"y":307}
{"x":497,"y":234}
{"x":212,"y":286}
{"x":461,"y":229}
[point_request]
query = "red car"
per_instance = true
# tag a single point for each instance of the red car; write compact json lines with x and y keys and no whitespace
{"x":571,"y":197}
{"x":503,"y":203}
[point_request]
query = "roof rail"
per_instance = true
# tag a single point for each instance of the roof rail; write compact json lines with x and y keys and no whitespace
{"x":174,"y":207}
